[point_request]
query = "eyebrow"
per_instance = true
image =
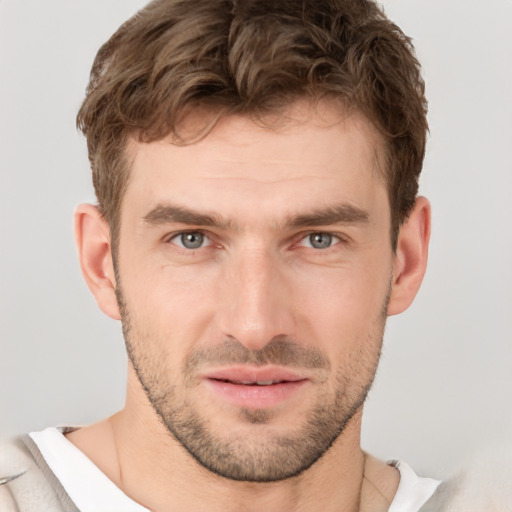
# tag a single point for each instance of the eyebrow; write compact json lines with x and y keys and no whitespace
{"x":340,"y":214}
{"x":168,"y":214}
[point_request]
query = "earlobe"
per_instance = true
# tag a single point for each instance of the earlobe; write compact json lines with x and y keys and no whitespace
{"x":411,"y":257}
{"x":92,"y":237}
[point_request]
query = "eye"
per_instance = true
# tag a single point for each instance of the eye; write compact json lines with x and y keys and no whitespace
{"x":319,"y":240}
{"x":190,"y":240}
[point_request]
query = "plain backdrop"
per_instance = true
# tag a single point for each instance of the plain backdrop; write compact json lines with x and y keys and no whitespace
{"x":444,"y":387}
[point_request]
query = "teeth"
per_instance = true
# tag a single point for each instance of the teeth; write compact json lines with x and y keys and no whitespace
{"x":264,"y":382}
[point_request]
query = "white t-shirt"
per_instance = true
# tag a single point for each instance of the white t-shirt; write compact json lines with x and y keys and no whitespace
{"x":92,"y":491}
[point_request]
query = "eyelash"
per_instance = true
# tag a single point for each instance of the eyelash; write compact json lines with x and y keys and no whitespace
{"x":193,"y":232}
{"x":334,"y":239}
{"x":337,"y":239}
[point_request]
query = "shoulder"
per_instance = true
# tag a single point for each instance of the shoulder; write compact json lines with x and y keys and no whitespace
{"x":482,"y":484}
{"x":15,"y":460}
{"x":8,"y":472}
{"x":24,"y":486}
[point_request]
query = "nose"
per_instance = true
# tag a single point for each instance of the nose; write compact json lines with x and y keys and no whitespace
{"x":256,"y":302}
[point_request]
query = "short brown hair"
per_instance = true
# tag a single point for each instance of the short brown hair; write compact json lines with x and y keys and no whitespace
{"x":252,"y":57}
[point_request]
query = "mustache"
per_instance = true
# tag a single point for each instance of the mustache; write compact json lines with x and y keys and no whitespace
{"x":281,"y":351}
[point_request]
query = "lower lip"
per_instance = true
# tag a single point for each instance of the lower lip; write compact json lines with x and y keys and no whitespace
{"x":255,"y":397}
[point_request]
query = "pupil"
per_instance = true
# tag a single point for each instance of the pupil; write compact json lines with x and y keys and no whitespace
{"x":192,"y":240}
{"x":320,"y":240}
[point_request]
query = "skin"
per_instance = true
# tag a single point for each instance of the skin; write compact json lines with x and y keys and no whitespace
{"x":256,"y":279}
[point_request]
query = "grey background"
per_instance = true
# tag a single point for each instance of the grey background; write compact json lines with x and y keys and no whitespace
{"x":444,"y":387}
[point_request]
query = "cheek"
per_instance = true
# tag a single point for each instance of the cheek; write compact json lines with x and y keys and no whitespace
{"x":340,"y":307}
{"x":172,"y":306}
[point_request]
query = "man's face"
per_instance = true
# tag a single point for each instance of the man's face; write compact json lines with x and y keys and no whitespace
{"x":254,"y":270}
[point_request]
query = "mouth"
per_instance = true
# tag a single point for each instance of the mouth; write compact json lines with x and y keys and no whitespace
{"x":253,"y":383}
{"x":255,"y":388}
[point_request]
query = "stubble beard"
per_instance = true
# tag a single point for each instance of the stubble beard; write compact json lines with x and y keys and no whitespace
{"x":273,"y":458}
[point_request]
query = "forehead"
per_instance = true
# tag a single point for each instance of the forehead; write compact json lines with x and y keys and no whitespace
{"x":310,"y":154}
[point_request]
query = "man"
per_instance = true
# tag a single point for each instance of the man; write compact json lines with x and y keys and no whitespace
{"x":256,"y":166}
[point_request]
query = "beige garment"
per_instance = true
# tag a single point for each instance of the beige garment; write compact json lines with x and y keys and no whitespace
{"x":27,"y":483}
{"x":484,"y":484}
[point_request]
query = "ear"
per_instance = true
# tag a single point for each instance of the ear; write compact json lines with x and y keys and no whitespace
{"x":410,"y":258}
{"x":92,"y":237}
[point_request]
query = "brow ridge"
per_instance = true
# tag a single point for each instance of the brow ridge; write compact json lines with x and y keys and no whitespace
{"x":339,"y":214}
{"x":168,"y":214}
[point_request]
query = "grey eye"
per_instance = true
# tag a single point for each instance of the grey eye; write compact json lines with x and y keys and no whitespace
{"x":191,"y":240}
{"x":320,"y":240}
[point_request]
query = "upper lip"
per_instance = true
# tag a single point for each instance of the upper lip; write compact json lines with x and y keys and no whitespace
{"x":248,"y":374}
